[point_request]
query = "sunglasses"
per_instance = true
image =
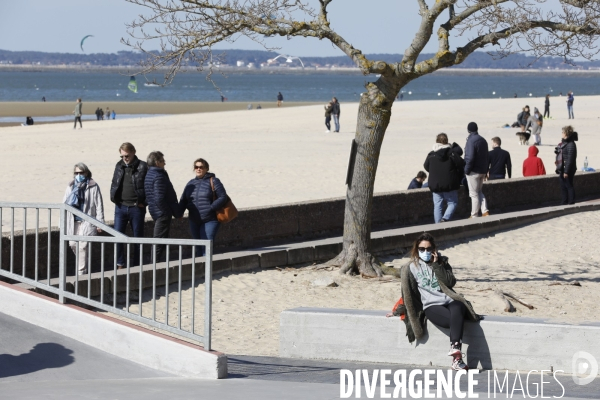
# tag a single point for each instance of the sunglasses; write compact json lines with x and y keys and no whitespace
{"x":126,"y":156}
{"x":199,"y":167}
{"x":421,"y":249}
{"x":78,"y":173}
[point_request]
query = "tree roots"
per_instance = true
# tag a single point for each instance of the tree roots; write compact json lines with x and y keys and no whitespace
{"x":352,"y":262}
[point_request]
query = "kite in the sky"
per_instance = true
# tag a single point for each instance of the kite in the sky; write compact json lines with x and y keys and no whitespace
{"x":132,"y":84}
{"x":83,"y":40}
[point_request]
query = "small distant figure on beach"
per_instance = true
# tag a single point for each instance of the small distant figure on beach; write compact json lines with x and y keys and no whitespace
{"x":533,"y":165}
{"x":107,"y":113}
{"x":279,"y":99}
{"x":445,"y":167}
{"x":28,"y":122}
{"x":522,"y":119}
{"x":499,"y":160}
{"x":77,"y":112}
{"x":249,"y":107}
{"x":328,"y":109}
{"x":259,"y":107}
{"x":401,"y":96}
{"x":534,"y":124}
{"x":566,"y":157}
{"x":335,"y":113}
{"x":113,"y":114}
{"x":417,"y":183}
{"x":223,"y":99}
{"x":476,"y":169}
{"x":44,"y":99}
{"x":570,"y":101}
{"x":99,"y":113}
{"x":547,"y":106}
{"x":516,"y":96}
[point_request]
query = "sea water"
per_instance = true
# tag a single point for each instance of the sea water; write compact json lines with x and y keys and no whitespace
{"x":311,"y":87}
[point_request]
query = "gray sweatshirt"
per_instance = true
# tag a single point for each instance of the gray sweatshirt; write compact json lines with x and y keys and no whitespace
{"x":429,"y":288}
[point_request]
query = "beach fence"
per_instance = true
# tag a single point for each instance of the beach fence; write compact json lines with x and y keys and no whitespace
{"x":131,"y":292}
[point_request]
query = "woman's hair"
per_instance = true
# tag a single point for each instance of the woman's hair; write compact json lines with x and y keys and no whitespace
{"x":442,"y":138}
{"x":414,"y":251}
{"x":84,"y":168}
{"x":204,"y":162}
{"x":154,"y":157}
{"x":568,"y":130}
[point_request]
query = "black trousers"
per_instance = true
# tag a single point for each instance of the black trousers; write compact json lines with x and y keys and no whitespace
{"x":162,"y":227}
{"x":567,"y":189}
{"x":77,"y":119}
{"x":547,"y":112}
{"x":328,"y":123}
{"x":451,"y":316}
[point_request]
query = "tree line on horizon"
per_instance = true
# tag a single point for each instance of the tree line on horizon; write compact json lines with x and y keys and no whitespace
{"x":480,"y":60}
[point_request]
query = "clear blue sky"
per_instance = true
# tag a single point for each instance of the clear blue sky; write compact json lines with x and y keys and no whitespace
{"x":58,"y":26}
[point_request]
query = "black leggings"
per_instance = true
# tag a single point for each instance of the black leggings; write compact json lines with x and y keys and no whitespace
{"x":78,"y":119}
{"x":452,"y":316}
{"x":547,"y":112}
{"x":328,"y":123}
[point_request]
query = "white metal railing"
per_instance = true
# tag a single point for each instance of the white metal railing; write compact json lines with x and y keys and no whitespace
{"x":35,"y":279}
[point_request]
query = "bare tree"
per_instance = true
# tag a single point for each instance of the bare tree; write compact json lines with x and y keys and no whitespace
{"x":188,"y":29}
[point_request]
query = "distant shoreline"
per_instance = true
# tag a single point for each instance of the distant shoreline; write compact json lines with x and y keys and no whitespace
{"x":133,"y":69}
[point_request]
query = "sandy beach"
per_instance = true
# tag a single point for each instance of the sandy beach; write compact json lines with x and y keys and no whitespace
{"x":549,"y":256}
{"x":275,"y":156}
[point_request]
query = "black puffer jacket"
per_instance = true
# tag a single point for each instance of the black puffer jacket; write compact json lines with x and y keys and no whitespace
{"x":476,"y":154}
{"x":197,"y":198}
{"x":445,"y":168}
{"x":569,"y":154}
{"x":160,"y":195}
{"x":140,"y":168}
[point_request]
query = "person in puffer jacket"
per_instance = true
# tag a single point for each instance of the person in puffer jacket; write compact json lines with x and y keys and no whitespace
{"x":203,"y":196}
{"x":533,"y":165}
{"x":566,"y":158}
{"x":161,"y":198}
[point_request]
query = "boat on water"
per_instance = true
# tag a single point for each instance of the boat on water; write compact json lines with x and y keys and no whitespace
{"x":151,"y":84}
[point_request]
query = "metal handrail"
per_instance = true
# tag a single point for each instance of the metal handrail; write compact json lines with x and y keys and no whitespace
{"x":86,"y":242}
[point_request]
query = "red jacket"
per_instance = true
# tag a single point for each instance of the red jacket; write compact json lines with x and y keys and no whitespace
{"x":533,"y":165}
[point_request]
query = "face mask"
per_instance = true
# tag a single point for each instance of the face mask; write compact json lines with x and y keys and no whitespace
{"x":425,"y":255}
{"x":79,"y":178}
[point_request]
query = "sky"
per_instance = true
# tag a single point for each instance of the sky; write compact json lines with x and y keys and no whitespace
{"x":384,"y":26}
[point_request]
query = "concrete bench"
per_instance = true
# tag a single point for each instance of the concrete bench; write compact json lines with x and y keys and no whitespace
{"x":502,"y":343}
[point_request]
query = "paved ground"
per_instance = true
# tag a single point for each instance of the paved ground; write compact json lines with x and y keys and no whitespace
{"x":36,"y":363}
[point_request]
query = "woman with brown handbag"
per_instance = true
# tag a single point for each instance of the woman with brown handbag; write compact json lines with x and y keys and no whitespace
{"x":203,"y":202}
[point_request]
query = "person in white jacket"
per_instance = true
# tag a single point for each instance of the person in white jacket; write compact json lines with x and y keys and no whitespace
{"x":84,"y":194}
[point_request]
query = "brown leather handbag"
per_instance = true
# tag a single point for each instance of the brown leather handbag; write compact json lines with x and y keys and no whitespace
{"x":228,"y":212}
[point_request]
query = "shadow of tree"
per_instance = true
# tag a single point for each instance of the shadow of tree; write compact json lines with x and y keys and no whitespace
{"x":41,"y":356}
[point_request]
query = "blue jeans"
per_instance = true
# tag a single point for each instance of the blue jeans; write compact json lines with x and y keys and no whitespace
{"x":204,"y":230}
{"x":135,"y":216}
{"x":336,"y":121}
{"x":570,"y":109}
{"x":451,"y":199}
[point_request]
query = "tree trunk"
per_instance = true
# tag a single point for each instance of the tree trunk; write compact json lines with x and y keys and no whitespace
{"x":374,"y":114}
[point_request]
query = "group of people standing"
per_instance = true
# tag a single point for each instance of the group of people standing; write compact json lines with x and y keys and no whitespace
{"x":448,"y":170}
{"x":332,"y":110}
{"x":137,"y":185}
{"x":100,"y":114}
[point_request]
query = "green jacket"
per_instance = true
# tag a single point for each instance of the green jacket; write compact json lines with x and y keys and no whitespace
{"x":77,"y":111}
{"x":415,"y":320}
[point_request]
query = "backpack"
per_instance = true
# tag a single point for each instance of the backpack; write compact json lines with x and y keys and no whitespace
{"x":559,"y":158}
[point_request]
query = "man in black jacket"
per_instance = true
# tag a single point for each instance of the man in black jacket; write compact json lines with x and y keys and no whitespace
{"x":445,"y":166}
{"x":476,"y":169}
{"x":161,"y":198}
{"x":128,"y":194}
{"x":499,"y":161}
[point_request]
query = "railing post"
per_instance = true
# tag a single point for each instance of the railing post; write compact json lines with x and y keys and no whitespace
{"x":208,"y":299}
{"x":62,"y":257}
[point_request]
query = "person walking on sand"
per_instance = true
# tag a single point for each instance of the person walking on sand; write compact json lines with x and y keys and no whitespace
{"x":547,"y":106}
{"x":570,"y":101}
{"x":335,"y":113}
{"x":499,"y":160}
{"x":203,"y":196}
{"x":128,"y":193}
{"x":566,"y":157}
{"x":328,"y":109}
{"x":161,"y":198}
{"x":476,"y":168}
{"x":279,"y":99}
{"x":107,"y":113}
{"x":77,"y":113}
{"x":444,"y":164}
{"x":427,"y":295}
{"x":84,"y":194}
{"x":535,"y":123}
{"x":533,"y":165}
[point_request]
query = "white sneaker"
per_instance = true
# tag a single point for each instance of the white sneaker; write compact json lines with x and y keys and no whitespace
{"x":458,"y":364}
{"x":327,"y":131}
